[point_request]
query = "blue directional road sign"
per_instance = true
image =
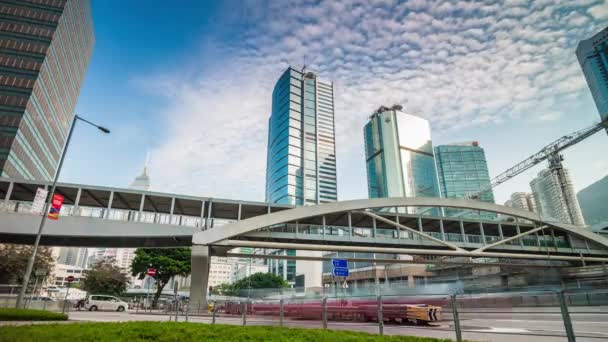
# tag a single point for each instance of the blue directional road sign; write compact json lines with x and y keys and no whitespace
{"x":340,"y":272}
{"x":340,"y":263}
{"x":340,"y":267}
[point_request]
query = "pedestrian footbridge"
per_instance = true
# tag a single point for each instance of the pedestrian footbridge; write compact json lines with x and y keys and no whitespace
{"x":114,"y":217}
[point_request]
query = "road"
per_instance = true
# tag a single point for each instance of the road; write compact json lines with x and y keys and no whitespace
{"x":529,"y":324}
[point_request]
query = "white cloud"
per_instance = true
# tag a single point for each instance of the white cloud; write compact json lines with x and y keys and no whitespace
{"x":500,"y":60}
{"x":599,"y":11}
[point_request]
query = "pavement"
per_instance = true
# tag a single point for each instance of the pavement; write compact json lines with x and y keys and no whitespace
{"x":504,"y":325}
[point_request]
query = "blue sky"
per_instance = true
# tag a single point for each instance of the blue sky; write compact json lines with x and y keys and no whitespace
{"x":191,"y":81}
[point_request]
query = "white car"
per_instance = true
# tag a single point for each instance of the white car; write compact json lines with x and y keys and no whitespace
{"x":105,"y":303}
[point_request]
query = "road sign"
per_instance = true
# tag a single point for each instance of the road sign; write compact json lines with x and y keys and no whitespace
{"x":340,"y":263}
{"x":340,"y":272}
{"x":151,"y":272}
{"x":69,"y":279}
{"x":40,"y":272}
{"x":38,"y":204}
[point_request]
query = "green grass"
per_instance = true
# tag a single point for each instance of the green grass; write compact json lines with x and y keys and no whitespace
{"x":11,"y":314}
{"x":174,"y":332}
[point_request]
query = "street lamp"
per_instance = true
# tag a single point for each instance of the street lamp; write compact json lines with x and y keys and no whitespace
{"x":30,"y":262}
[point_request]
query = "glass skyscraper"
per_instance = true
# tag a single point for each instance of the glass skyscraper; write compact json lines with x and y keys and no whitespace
{"x":462,"y":171}
{"x":45,"y":48}
{"x":301,"y":161}
{"x":556,"y":202}
{"x":592,"y":55}
{"x":399,"y":155}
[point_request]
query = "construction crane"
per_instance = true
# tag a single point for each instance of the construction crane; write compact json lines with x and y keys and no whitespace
{"x":551,"y":152}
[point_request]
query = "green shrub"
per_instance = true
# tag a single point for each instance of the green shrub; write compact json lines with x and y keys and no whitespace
{"x":11,"y":314}
{"x":168,"y":331}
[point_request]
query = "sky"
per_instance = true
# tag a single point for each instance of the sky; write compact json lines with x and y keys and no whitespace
{"x":190,"y":83}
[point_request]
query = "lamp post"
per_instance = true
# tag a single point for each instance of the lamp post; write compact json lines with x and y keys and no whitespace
{"x":30,"y":262}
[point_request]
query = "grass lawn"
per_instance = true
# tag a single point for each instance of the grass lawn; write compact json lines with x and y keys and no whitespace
{"x":11,"y":314}
{"x":167,"y":331}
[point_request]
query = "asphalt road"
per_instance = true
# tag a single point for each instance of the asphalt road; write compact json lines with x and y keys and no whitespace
{"x":526,"y":324}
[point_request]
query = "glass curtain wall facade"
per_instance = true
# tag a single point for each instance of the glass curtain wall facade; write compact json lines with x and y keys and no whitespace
{"x":399,"y":156}
{"x":301,"y":161}
{"x":45,"y":48}
{"x":553,"y":202}
{"x":462,"y":171}
{"x":592,"y":55}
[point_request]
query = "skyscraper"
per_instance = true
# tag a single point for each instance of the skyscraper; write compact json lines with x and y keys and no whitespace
{"x":399,"y":155}
{"x":301,"y":160}
{"x":44,"y":52}
{"x":522,"y":200}
{"x":555,"y":202}
{"x":592,"y":55}
{"x":592,"y":200}
{"x":73,"y":256}
{"x":463,"y":171}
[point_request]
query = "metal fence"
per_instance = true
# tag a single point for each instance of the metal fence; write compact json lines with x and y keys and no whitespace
{"x":559,"y":314}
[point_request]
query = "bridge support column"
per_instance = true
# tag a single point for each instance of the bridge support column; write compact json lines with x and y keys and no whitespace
{"x":199,"y":279}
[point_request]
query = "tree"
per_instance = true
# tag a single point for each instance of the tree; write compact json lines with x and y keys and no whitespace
{"x":105,"y":278}
{"x":14,"y":258}
{"x":168,"y":262}
{"x":255,"y":281}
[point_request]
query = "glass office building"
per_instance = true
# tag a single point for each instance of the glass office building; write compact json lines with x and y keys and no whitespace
{"x":45,"y":48}
{"x":301,"y":161}
{"x":592,"y":55}
{"x":554,"y":201}
{"x":463,"y":171}
{"x":399,"y":155}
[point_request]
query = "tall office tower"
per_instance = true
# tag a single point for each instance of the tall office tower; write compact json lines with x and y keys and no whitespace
{"x":554,"y":202}
{"x":592,"y":200}
{"x":592,"y":55}
{"x":522,"y":200}
{"x":45,"y":47}
{"x":73,"y":256}
{"x":399,"y":155}
{"x":463,"y":171}
{"x":301,"y":160}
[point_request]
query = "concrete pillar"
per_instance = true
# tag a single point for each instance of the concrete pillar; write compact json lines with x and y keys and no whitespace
{"x":199,"y":279}
{"x":374,"y":227}
{"x":502,"y":236}
{"x":238,"y":215}
{"x":397,"y":225}
{"x":442,"y":230}
{"x":76,"y":210}
{"x":9,"y":191}
{"x":208,"y":214}
{"x":518,"y":230}
{"x":324,"y":225}
{"x":410,"y":281}
{"x":483,"y":234}
{"x":107,"y":215}
{"x":462,"y":233}
{"x":202,"y":217}
{"x":420,"y":227}
{"x":141,"y":207}
{"x":171,"y":210}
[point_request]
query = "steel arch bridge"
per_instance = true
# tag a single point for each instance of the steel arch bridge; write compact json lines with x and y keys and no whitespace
{"x":391,"y":226}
